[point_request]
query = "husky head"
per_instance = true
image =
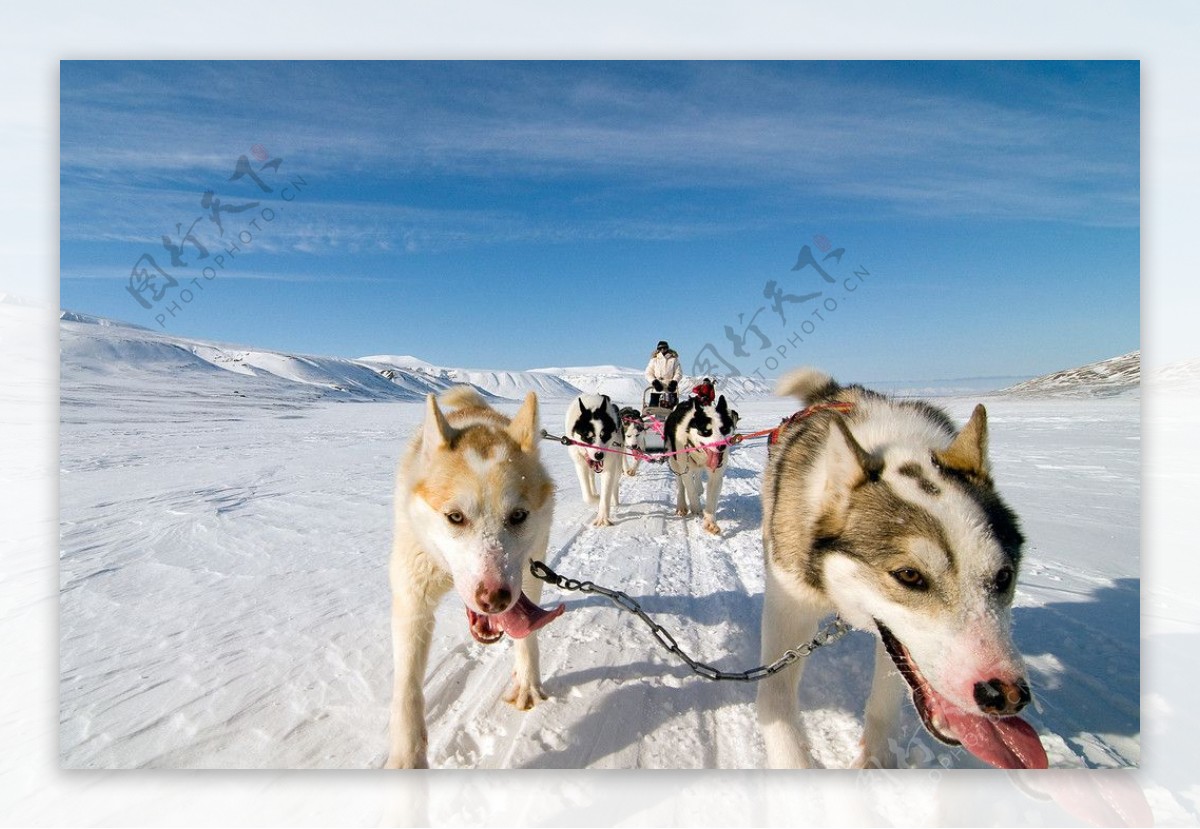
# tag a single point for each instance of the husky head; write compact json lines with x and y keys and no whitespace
{"x":913,"y":541}
{"x":635,"y":427}
{"x":593,"y":419}
{"x":694,"y":424}
{"x":481,"y":506}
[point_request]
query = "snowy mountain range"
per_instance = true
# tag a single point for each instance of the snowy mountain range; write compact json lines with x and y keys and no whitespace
{"x":1106,"y":378}
{"x":97,"y":350}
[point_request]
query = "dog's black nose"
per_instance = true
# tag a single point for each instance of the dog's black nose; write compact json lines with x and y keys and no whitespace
{"x":599,"y":456}
{"x":492,"y":601}
{"x":1003,"y":698}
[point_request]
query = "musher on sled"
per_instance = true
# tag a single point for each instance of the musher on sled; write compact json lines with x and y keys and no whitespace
{"x":663,"y":373}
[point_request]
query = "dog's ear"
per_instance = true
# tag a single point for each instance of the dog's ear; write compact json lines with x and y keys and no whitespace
{"x":722,"y":406}
{"x":849,"y":464}
{"x":438,"y":432}
{"x":967,"y":454}
{"x":523,"y":427}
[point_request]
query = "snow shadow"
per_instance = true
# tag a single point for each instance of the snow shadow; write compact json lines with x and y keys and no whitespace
{"x":735,"y":514}
{"x":1084,"y":660}
{"x":1083,"y":664}
{"x":651,"y":702}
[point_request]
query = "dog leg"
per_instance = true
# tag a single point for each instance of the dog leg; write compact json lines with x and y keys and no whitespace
{"x":587,"y":481}
{"x":526,"y":689}
{"x":710,"y":505}
{"x":883,"y":708}
{"x":681,"y":507}
{"x":610,"y":479}
{"x":786,"y":623}
{"x":694,"y":492}
{"x":412,"y":628}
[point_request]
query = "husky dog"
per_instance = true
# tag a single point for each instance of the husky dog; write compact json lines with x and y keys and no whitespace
{"x":473,"y":505}
{"x":705,"y":429}
{"x":635,"y":438}
{"x":888,"y":515}
{"x":593,"y":419}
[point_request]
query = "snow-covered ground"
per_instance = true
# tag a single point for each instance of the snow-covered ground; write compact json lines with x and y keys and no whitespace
{"x":224,"y":603}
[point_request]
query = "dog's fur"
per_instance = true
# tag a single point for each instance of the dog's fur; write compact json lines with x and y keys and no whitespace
{"x":888,"y":515}
{"x":473,"y":505}
{"x":594,"y":419}
{"x":692,"y":425}
{"x":635,"y":438}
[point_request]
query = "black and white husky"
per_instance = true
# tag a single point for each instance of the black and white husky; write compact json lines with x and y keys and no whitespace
{"x":886,"y":513}
{"x":594,"y":419}
{"x":699,"y":435}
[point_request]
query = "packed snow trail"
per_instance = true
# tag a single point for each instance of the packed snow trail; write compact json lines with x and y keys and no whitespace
{"x":224,"y":597}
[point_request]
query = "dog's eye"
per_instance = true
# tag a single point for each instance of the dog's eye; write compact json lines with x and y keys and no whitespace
{"x":706,"y":432}
{"x":910,"y":578}
{"x":1004,"y":580}
{"x":455,"y":517}
{"x":517,"y":516}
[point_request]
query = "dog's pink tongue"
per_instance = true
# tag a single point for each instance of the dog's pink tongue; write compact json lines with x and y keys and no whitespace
{"x":524,"y":617}
{"x":714,"y":459}
{"x":1005,"y":742}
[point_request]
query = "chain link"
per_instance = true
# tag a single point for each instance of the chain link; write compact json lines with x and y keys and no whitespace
{"x":827,"y":635}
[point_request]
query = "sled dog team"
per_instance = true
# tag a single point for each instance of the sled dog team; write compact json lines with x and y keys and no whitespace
{"x":883,"y":511}
{"x":608,"y":442}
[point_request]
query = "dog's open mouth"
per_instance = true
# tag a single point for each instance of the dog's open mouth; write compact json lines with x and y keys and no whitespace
{"x":713,"y":457}
{"x":597,"y":463}
{"x":520,"y":620}
{"x":1005,"y":742}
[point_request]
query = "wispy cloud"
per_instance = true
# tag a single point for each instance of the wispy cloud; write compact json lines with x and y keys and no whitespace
{"x":652,"y":130}
{"x":128,"y":213}
{"x":121,"y":274}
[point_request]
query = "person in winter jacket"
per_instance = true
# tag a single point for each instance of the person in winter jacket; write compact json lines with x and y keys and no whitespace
{"x":664,"y":373}
{"x":705,"y":392}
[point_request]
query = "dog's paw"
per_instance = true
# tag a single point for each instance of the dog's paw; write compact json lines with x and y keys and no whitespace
{"x":681,"y":511}
{"x":875,"y":758}
{"x":710,"y":527}
{"x":602,"y":522}
{"x":632,"y":473}
{"x":866,"y":760}
{"x":524,"y":695}
{"x":407,"y":760}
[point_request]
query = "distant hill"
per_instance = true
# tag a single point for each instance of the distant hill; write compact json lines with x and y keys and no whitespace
{"x":132,"y":359}
{"x":1106,"y":378}
{"x":75,"y":316}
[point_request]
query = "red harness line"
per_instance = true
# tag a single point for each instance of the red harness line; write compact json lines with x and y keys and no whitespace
{"x":645,"y":456}
{"x":803,"y":414}
{"x":772,"y":435}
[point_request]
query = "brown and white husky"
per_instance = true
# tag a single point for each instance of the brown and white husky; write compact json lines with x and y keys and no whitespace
{"x":888,"y":514}
{"x":473,"y":506}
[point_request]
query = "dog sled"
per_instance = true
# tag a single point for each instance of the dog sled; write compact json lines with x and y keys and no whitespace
{"x":654,"y":417}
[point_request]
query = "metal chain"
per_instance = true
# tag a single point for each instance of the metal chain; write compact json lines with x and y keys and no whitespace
{"x":827,"y":635}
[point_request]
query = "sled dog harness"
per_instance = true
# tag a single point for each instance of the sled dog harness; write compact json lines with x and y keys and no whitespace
{"x":803,"y":414}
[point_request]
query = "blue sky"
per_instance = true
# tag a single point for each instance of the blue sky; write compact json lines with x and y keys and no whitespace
{"x":518,"y":215}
